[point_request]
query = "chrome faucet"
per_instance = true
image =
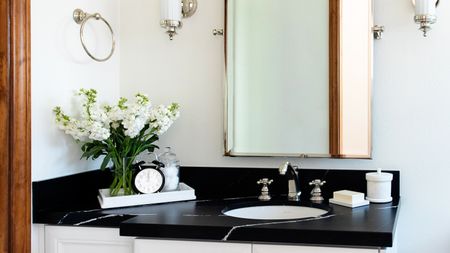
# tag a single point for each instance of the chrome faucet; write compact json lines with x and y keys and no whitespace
{"x":293,"y":182}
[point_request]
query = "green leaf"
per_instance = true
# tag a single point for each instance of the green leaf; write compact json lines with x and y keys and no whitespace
{"x":94,"y":151}
{"x":105,"y":161}
{"x":153,"y":138}
{"x":152,"y":148}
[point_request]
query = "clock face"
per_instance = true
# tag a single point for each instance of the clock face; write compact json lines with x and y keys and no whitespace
{"x":149,"y":180}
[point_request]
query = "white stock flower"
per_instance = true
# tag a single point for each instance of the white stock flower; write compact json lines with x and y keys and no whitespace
{"x":99,"y":114}
{"x":161,"y":118}
{"x":75,"y":129}
{"x":116,"y":114}
{"x":134,"y":115}
{"x":96,"y":122}
{"x":135,"y":119}
{"x":98,"y":132}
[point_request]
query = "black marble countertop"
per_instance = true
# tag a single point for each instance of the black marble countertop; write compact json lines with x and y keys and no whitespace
{"x":371,"y":226}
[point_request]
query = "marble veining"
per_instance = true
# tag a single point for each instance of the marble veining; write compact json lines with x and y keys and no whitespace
{"x":197,"y":215}
{"x":62,"y":219}
{"x":141,"y":214}
{"x":224,"y":199}
{"x":275,"y":223}
{"x":77,"y":212}
{"x":387,"y":207}
{"x":98,"y":218}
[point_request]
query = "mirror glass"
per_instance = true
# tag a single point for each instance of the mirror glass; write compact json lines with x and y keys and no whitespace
{"x":298,"y":78}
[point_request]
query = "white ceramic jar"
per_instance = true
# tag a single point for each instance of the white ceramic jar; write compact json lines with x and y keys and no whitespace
{"x":379,"y":186}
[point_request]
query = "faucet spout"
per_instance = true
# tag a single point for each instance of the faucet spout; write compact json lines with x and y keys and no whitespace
{"x":287,"y":170}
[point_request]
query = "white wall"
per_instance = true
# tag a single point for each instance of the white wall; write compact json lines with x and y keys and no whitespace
{"x":411,"y":125}
{"x":59,"y":68}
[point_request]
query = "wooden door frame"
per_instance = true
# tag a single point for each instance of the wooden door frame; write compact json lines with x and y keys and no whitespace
{"x":15,"y":127}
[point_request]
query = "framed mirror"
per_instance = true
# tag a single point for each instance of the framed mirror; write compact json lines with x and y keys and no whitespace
{"x":298,"y":78}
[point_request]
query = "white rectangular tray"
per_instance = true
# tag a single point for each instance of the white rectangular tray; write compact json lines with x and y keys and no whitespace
{"x":184,"y":192}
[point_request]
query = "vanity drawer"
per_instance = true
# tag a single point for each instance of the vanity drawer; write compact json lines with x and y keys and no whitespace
{"x":61,"y":239}
{"x":168,"y":246}
{"x":265,"y":248}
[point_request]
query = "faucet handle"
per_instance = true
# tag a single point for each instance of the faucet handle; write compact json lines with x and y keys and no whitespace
{"x":317,"y":182}
{"x":316,"y":193}
{"x":265,"y":195}
{"x":264,"y":181}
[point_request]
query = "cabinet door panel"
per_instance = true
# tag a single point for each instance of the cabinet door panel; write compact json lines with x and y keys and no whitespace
{"x":260,"y":248}
{"x":167,"y":246}
{"x":85,"y":240}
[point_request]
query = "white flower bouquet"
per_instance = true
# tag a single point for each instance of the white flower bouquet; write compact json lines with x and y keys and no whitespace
{"x":117,"y":133}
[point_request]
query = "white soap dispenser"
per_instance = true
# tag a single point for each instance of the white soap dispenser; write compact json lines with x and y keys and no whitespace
{"x":379,"y":187}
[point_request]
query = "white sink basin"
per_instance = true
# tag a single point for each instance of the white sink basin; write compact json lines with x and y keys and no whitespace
{"x":275,"y":212}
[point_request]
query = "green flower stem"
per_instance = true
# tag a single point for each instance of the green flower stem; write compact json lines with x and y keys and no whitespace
{"x":123,"y":174}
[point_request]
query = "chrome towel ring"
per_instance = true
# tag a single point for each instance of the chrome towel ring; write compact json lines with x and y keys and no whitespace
{"x":81,"y":18}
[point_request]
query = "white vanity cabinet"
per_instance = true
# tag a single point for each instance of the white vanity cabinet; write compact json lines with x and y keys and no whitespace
{"x":71,"y":239}
{"x":59,"y":239}
{"x":168,"y":246}
{"x":266,"y":248}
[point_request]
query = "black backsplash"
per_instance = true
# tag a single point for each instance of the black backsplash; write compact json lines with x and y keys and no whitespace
{"x":70,"y":193}
{"x":210,"y":183}
{"x":79,"y":192}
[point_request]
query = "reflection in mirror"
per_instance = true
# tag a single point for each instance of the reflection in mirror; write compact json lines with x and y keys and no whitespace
{"x":298,"y":78}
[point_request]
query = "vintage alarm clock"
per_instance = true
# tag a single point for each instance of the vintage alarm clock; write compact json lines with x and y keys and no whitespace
{"x":148,"y":178}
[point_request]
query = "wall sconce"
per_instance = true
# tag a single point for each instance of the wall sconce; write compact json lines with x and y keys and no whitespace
{"x":425,"y":14}
{"x":172,"y":11}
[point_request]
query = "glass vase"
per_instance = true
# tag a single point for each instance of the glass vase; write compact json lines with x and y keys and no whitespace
{"x":123,"y":176}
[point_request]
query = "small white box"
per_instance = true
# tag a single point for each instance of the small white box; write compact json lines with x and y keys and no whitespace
{"x":184,"y":192}
{"x":350,"y":197}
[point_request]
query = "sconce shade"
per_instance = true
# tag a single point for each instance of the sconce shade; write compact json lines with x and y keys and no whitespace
{"x":425,"y":14}
{"x":425,"y":7}
{"x":171,"y":10}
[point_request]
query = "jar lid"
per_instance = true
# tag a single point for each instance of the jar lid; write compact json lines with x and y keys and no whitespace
{"x":379,"y":176}
{"x":168,"y":158}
